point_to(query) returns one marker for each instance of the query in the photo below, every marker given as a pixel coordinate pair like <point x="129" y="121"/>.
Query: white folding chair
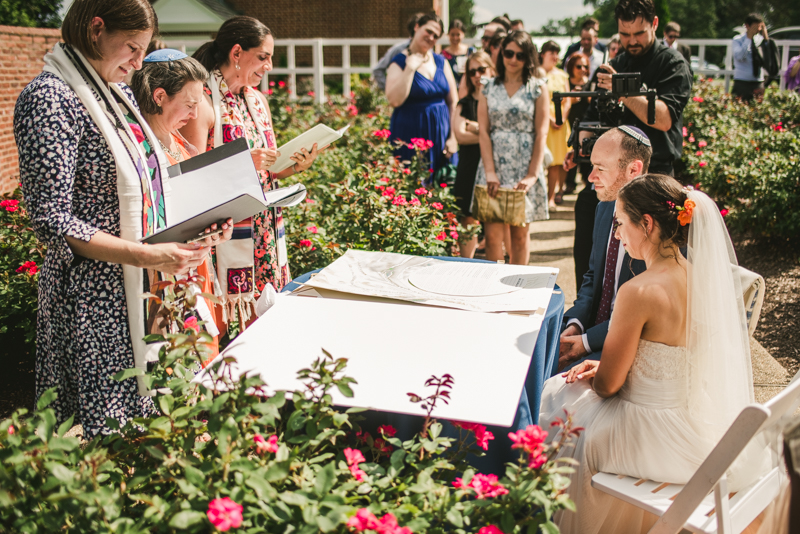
<point x="753" y="291"/>
<point x="703" y="504"/>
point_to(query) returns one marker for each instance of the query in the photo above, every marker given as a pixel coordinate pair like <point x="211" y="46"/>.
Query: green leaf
<point x="326" y="478"/>
<point x="325" y="524"/>
<point x="549" y="528"/>
<point x="277" y="471"/>
<point x="66" y="425"/>
<point x="295" y="499"/>
<point x="260" y="485"/>
<point x="345" y="390"/>
<point x="507" y="522"/>
<point x="194" y="475"/>
<point x="435" y="430"/>
<point x="454" y="516"/>
<point x="154" y="338"/>
<point x="355" y="409"/>
<point x="47" y="397"/>
<point x="186" y="519"/>
<point x="128" y="373"/>
<point x="61" y="472"/>
<point x="166" y="402"/>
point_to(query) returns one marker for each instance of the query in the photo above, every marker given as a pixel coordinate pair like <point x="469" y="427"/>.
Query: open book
<point x="320" y="134"/>
<point x="214" y="186"/>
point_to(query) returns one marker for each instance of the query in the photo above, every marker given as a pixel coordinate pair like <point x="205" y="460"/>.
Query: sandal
<point x="559" y="199"/>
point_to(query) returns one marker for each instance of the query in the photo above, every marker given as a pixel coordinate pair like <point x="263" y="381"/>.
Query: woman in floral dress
<point x="237" y="60"/>
<point x="83" y="156"/>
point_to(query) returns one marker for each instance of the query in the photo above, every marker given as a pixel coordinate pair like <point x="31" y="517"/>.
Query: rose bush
<point x="747" y="157"/>
<point x="231" y="454"/>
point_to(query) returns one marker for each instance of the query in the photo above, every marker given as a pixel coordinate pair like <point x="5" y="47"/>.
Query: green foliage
<point x="18" y="284"/>
<point x="747" y="156"/>
<point x="462" y="10"/>
<point x="293" y="462"/>
<point x="359" y="197"/>
<point x="570" y="26"/>
<point x="30" y="13"/>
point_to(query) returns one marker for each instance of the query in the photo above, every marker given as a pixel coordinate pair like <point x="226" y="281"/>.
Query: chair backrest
<point x="753" y="420"/>
<point x="753" y="290"/>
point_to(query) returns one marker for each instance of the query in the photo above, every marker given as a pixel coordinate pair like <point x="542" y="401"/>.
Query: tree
<point x="569" y="26"/>
<point x="30" y="13"/>
<point x="462" y="10"/>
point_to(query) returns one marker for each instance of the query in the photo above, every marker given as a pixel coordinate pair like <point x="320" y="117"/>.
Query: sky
<point x="533" y="12"/>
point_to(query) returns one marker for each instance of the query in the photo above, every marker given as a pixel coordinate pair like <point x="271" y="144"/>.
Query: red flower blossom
<point x="701" y="144"/>
<point x="312" y="229"/>
<point x="363" y="520"/>
<point x="266" y="445"/>
<point x="702" y="164"/>
<point x="281" y="84"/>
<point x="383" y="134"/>
<point x="441" y="236"/>
<point x="399" y="201"/>
<point x="311" y="93"/>
<point x="482" y="436"/>
<point x="491" y="529"/>
<point x="691" y="139"/>
<point x="454" y="235"/>
<point x="387" y="430"/>
<point x="353" y="456"/>
<point x="225" y="514"/>
<point x="306" y="243"/>
<point x="485" y="486"/>
<point x="10" y="205"/>
<point x="698" y="99"/>
<point x="406" y="171"/>
<point x="442" y="185"/>
<point x="724" y="212"/>
<point x="29" y="267"/>
<point x="421" y="192"/>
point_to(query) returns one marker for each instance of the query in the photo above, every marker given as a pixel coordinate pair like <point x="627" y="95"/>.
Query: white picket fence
<point x="317" y="70"/>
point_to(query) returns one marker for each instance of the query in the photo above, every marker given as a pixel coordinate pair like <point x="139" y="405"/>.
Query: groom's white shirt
<point x="620" y="259"/>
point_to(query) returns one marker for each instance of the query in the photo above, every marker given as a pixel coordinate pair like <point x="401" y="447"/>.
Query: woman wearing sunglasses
<point x="514" y="117"/>
<point x="465" y="126"/>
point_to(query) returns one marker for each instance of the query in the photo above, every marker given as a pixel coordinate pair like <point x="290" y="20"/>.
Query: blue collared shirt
<point x="743" y="60"/>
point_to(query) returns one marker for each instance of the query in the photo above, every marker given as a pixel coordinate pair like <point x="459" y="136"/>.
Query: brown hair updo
<point x="247" y="32"/>
<point x="171" y="76"/>
<point x="650" y="194"/>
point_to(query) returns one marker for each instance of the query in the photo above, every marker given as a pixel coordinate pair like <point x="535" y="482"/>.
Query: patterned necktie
<point x="609" y="278"/>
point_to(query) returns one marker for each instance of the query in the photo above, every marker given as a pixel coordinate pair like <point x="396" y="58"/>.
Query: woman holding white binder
<point x="232" y="107"/>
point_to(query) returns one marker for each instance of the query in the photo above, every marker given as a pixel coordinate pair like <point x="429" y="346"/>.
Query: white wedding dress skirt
<point x="644" y="431"/>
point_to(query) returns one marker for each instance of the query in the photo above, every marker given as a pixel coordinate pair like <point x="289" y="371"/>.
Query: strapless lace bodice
<point x="658" y="361"/>
<point x="657" y="378"/>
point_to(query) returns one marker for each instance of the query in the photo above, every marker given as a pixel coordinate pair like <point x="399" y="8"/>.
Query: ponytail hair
<point x="247" y="32"/>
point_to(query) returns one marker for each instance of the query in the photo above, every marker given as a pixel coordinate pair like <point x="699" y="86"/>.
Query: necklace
<point x="177" y="156"/>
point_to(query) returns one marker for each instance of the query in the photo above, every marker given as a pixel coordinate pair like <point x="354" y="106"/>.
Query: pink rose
<point x="10" y="205"/>
<point x="685" y="131"/>
<point x="281" y="84"/>
<point x="454" y="235"/>
<point x="225" y="514"/>
<point x="491" y="529"/>
<point x="485" y="486"/>
<point x="415" y="202"/>
<point x="311" y="93"/>
<point x="724" y="212"/>
<point x="266" y="445"/>
<point x="272" y="84"/>
<point x="702" y="163"/>
<point x="441" y="236"/>
<point x="530" y="439"/>
<point x="357" y="473"/>
<point x="11" y="430"/>
<point x="353" y="456"/>
<point x="400" y="201"/>
<point x="312" y="229"/>
<point x="691" y="139"/>
<point x="701" y="144"/>
<point x="406" y="171"/>
<point x="363" y="520"/>
<point x="482" y="436"/>
<point x="305" y="243"/>
<point x="436" y="205"/>
<point x="421" y="191"/>
<point x="190" y="323"/>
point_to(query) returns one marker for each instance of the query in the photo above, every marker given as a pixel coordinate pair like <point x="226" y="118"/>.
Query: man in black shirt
<point x="662" y="69"/>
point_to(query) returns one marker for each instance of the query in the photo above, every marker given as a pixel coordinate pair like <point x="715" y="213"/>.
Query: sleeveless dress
<point x="469" y="156"/>
<point x="511" y="126"/>
<point x="424" y="114"/>
<point x="644" y="431"/>
<point x="558" y="81"/>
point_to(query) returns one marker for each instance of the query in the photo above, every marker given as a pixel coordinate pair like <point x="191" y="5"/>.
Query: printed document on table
<point x="485" y="287"/>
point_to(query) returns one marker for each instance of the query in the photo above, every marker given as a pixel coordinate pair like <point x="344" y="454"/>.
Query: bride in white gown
<point x="675" y="370"/>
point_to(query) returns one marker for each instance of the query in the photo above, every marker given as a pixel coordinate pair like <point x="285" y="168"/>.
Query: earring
<point x="237" y="66"/>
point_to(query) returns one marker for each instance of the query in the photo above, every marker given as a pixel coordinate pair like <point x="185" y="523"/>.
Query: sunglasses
<point x="673" y="35"/>
<point x="508" y="54"/>
<point x="473" y="72"/>
<point x="582" y="67"/>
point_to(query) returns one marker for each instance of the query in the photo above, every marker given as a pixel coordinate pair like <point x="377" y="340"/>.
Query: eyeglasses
<point x="582" y="67"/>
<point x="508" y="54"/>
<point x="473" y="72"/>
<point x="673" y="35"/>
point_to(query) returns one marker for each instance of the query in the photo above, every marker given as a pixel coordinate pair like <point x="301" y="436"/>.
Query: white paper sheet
<point x="468" y="286"/>
<point x="320" y="134"/>
<point x="391" y="350"/>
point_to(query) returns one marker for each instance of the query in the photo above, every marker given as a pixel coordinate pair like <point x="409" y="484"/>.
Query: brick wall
<point x="21" y="59"/>
<point x="290" y="19"/>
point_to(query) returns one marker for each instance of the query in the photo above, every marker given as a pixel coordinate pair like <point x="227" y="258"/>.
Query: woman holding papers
<point x="92" y="175"/>
<point x="232" y="108"/>
<point x="421" y="87"/>
<point x="169" y="88"/>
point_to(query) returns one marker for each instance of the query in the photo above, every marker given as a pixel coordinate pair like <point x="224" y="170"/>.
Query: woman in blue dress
<point x="421" y="87"/>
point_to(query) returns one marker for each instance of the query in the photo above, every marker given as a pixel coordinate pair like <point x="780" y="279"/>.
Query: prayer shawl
<point x="143" y="196"/>
<point x="235" y="258"/>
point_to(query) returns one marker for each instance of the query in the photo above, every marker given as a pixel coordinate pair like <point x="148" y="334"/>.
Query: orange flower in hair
<point x="685" y="212"/>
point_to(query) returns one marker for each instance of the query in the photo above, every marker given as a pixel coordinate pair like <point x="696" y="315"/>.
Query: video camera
<point x="609" y="109"/>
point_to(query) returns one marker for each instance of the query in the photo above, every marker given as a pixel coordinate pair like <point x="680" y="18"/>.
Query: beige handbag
<point x="509" y="206"/>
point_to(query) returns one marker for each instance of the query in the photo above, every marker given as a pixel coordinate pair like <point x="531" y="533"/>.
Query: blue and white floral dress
<point x="512" y="123"/>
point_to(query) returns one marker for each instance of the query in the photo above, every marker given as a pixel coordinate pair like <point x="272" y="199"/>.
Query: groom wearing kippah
<point x="619" y="155"/>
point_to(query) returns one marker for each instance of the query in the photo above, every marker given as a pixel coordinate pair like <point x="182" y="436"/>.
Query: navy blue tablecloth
<point x="544" y="362"/>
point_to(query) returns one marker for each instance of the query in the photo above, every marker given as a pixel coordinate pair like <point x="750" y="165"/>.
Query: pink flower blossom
<point x="306" y="243"/>
<point x="399" y="201"/>
<point x="309" y="201"/>
<point x="384" y="180"/>
<point x="288" y="109"/>
<point x="530" y="440"/>
<point x="491" y="529"/>
<point x="420" y="143"/>
<point x="485" y="486"/>
<point x="311" y="93"/>
<point x="363" y="520"/>
<point x="702" y="163"/>
<point x="312" y="229"/>
<point x="281" y="84"/>
<point x="421" y="192"/>
<point x="415" y="202"/>
<point x="691" y="139"/>
<point x="443" y="185"/>
<point x="454" y="235"/>
<point x="441" y="236"/>
<point x="10" y="205"/>
<point x="383" y="134"/>
<point x="11" y="430"/>
<point x="353" y="456"/>
<point x="266" y="445"/>
<point x="357" y="473"/>
<point x="269" y="92"/>
<point x="701" y="144"/>
<point x="724" y="212"/>
<point x="698" y="99"/>
<point x="535" y="461"/>
<point x="225" y="514"/>
<point x="352" y="110"/>
<point x="685" y="131"/>
<point x="190" y="323"/>
<point x="436" y="205"/>
<point x="272" y="84"/>
<point x="482" y="436"/>
<point x="387" y="430"/>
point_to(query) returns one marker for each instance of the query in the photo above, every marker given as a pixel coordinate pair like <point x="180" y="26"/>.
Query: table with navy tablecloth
<point x="544" y="362"/>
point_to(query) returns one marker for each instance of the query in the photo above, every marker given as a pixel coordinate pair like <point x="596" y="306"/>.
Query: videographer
<point x="662" y="68"/>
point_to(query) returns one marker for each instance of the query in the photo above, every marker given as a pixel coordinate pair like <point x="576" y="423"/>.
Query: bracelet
<point x="294" y="168"/>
